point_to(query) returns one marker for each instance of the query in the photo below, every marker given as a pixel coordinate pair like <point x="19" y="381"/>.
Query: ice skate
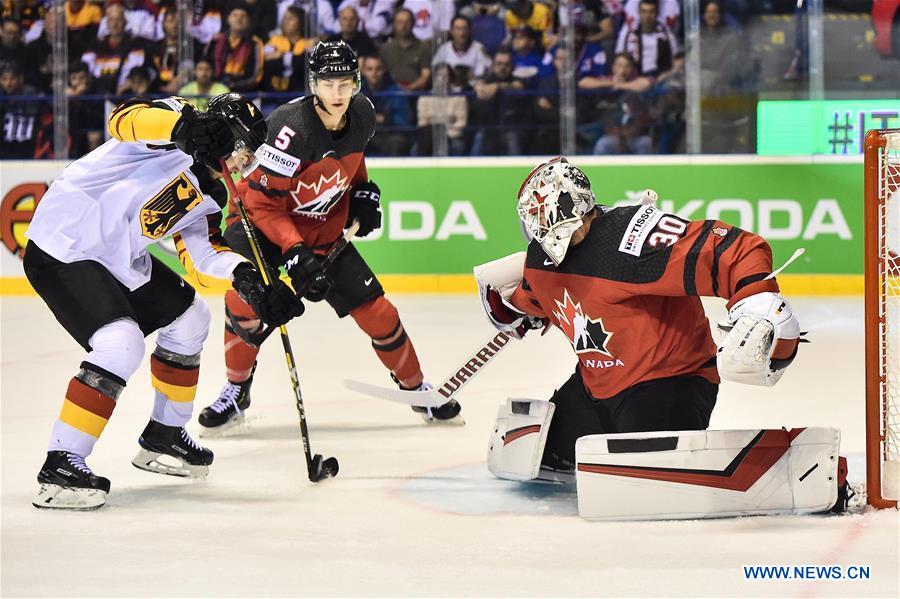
<point x="67" y="483"/>
<point x="447" y="414"/>
<point x="171" y="450"/>
<point x="227" y="414"/>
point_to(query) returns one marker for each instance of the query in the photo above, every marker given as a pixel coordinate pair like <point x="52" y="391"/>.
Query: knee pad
<point x="117" y="348"/>
<point x="185" y="336"/>
<point x="518" y="440"/>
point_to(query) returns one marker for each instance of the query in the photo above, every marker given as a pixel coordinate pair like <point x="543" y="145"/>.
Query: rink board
<point x="442" y="216"/>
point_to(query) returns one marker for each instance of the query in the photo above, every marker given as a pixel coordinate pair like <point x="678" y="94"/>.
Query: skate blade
<point x="237" y="426"/>
<point x="161" y="463"/>
<point x="56" y="497"/>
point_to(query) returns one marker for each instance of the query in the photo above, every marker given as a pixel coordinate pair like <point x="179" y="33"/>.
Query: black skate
<point x="449" y="413"/>
<point x="227" y="412"/>
<point x="170" y="450"/>
<point x="67" y="483"/>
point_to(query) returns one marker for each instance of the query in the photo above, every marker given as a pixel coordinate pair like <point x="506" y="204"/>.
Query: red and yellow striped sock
<point x="82" y="419"/>
<point x="176" y="386"/>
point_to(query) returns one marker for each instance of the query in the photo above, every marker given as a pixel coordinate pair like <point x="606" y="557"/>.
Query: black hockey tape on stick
<point x="314" y="467"/>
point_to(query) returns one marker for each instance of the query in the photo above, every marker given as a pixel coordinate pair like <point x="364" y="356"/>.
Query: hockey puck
<point x="322" y="469"/>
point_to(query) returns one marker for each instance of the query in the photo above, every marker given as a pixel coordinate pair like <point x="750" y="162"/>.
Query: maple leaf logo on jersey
<point x="585" y="334"/>
<point x="320" y="196"/>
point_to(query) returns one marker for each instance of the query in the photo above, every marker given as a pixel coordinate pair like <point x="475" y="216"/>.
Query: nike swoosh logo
<point x="327" y="153"/>
<point x="548" y="262"/>
<point x="368" y="282"/>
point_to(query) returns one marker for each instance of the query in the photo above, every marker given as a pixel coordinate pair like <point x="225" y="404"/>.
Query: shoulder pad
<point x="364" y="110"/>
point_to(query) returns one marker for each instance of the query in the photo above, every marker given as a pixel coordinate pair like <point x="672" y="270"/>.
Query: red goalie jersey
<point x="627" y="297"/>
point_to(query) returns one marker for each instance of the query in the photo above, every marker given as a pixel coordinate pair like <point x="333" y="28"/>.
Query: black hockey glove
<point x="307" y="273"/>
<point x="275" y="304"/>
<point x="204" y="136"/>
<point x="365" y="206"/>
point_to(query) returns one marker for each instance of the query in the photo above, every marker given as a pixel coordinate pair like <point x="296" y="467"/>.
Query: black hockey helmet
<point x="244" y="118"/>
<point x="333" y="60"/>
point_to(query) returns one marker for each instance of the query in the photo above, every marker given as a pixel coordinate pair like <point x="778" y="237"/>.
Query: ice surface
<point x="413" y="510"/>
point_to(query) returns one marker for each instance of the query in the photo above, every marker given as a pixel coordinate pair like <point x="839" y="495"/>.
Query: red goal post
<point x="882" y="289"/>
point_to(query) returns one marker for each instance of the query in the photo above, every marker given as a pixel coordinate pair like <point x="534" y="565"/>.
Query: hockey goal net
<point x="882" y="282"/>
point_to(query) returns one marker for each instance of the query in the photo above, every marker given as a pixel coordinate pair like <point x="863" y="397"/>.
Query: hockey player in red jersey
<point x="311" y="183"/>
<point x="624" y="286"/>
<point x="87" y="258"/>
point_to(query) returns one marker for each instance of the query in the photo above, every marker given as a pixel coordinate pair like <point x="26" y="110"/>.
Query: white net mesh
<point x="889" y="258"/>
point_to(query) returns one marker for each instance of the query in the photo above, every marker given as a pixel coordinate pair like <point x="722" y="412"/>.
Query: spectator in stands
<point x="668" y="11"/>
<point x="139" y="22"/>
<point x="326" y="22"/>
<point x="29" y="14"/>
<point x="359" y="40"/>
<point x="82" y="19"/>
<point x="651" y="43"/>
<point x="487" y="23"/>
<point x="597" y="21"/>
<point x="451" y="112"/>
<point x="374" y="15"/>
<point x="626" y="116"/>
<point x="12" y="48"/>
<point x="111" y="58"/>
<point x="285" y="53"/>
<point x="39" y="57"/>
<point x="461" y="49"/>
<point x="526" y="57"/>
<point x="263" y="15"/>
<point x="590" y="59"/>
<point x="86" y="117"/>
<point x="392" y="111"/>
<point x="164" y="55"/>
<point x="536" y="15"/>
<point x="237" y="55"/>
<point x="546" y="106"/>
<point x="26" y="123"/>
<point x="204" y="86"/>
<point x="724" y="53"/>
<point x="407" y="58"/>
<point x="499" y="116"/>
<point x="138" y="82"/>
<point x="432" y="17"/>
<point x="207" y="22"/>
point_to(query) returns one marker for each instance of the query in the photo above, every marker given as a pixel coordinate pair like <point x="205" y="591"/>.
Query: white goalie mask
<point x="552" y="203"/>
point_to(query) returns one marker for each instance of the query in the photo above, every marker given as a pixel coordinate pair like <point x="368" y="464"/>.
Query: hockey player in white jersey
<point x="87" y="258"/>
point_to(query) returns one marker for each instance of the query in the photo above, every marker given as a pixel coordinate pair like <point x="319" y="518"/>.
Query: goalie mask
<point x="552" y="203"/>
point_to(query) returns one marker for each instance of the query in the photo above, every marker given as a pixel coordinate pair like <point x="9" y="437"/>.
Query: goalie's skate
<point x="67" y="483"/>
<point x="446" y="414"/>
<point x="171" y="450"/>
<point x="227" y="415"/>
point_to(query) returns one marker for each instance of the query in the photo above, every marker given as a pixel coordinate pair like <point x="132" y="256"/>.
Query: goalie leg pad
<point x="707" y="474"/>
<point x="517" y="442"/>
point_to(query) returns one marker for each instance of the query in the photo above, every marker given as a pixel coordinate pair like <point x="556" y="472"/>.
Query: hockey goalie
<point x="624" y="286"/>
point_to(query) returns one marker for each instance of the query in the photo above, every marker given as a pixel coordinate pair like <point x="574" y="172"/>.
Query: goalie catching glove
<point x="365" y="206"/>
<point x="761" y="340"/>
<point x="275" y="304"/>
<point x="497" y="280"/>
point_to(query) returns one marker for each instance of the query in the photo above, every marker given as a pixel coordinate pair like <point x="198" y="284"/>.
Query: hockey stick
<point x="317" y="468"/>
<point x="434" y="398"/>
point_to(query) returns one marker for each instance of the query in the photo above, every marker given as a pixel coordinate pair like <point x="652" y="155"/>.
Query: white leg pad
<point x="517" y="443"/>
<point x="706" y="474"/>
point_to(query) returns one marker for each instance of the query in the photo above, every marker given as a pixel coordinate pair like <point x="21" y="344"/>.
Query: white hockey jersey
<point x="110" y="205"/>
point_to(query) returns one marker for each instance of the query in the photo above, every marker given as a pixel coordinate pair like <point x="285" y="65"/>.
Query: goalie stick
<point x="317" y="468"/>
<point x="448" y="389"/>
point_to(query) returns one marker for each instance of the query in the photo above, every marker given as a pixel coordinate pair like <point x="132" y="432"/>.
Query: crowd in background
<point x="500" y="61"/>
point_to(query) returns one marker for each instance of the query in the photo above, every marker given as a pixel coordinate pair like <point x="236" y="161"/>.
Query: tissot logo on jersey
<point x="319" y="197"/>
<point x="640" y="226"/>
<point x="586" y="334"/>
<point x="166" y="208"/>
